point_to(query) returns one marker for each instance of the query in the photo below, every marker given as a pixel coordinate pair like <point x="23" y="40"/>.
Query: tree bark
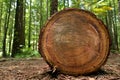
<point x="64" y="3"/>
<point x="10" y="36"/>
<point x="53" y="6"/>
<point x="19" y="30"/>
<point x="41" y="16"/>
<point x="115" y="26"/>
<point x="119" y="8"/>
<point x="29" y="31"/>
<point x="68" y="3"/>
<point x="1" y="6"/>
<point x="5" y="30"/>
<point x="4" y="38"/>
<point x="47" y="14"/>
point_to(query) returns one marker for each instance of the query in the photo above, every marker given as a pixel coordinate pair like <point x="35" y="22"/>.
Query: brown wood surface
<point x="74" y="42"/>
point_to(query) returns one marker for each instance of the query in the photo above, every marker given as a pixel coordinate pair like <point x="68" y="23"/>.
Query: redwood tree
<point x="6" y="23"/>
<point x="19" y="29"/>
<point x="54" y="6"/>
<point x="29" y="30"/>
<point x="119" y="6"/>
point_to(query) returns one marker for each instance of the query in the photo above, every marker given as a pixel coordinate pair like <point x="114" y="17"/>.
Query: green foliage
<point x="102" y="10"/>
<point x="107" y="10"/>
<point x="76" y="3"/>
<point x="28" y="53"/>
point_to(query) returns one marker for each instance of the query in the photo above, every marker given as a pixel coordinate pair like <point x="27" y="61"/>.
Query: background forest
<point x="21" y="21"/>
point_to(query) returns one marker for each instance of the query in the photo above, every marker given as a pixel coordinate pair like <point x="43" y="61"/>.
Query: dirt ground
<point x="37" y="69"/>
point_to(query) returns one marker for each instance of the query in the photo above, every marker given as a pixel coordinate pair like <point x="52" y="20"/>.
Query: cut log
<point x="74" y="42"/>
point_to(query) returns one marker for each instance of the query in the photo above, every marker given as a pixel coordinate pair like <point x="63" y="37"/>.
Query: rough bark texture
<point x="74" y="42"/>
<point x="19" y="29"/>
<point x="6" y="30"/>
<point x="119" y="7"/>
<point x="53" y="6"/>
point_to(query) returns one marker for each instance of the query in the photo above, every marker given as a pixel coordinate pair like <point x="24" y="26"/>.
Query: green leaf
<point x="107" y="8"/>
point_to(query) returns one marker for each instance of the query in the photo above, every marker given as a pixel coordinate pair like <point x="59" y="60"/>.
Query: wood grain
<point x="75" y="42"/>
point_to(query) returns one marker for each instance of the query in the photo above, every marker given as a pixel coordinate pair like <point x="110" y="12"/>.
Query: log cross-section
<point x="74" y="42"/>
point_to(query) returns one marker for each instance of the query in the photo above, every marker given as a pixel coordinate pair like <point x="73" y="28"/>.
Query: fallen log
<point x="74" y="42"/>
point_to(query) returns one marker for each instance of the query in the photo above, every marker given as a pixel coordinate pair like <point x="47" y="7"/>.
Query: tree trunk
<point x="115" y="26"/>
<point x="1" y="6"/>
<point x="112" y="25"/>
<point x="47" y="14"/>
<point x="41" y="16"/>
<point x="19" y="30"/>
<point x="53" y="6"/>
<point x="24" y="17"/>
<point x="4" y="38"/>
<point x="11" y="30"/>
<point x="64" y="3"/>
<point x="10" y="36"/>
<point x="119" y="8"/>
<point x="6" y="29"/>
<point x="29" y="31"/>
<point x="1" y="13"/>
<point x="68" y="3"/>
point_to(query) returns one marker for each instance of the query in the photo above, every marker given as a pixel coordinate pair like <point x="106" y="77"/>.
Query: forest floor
<point x="36" y="69"/>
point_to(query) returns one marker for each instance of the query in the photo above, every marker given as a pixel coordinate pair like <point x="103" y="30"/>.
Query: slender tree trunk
<point x="5" y="30"/>
<point x="34" y="35"/>
<point x="64" y="3"/>
<point x="11" y="30"/>
<point x="115" y="26"/>
<point x="109" y="24"/>
<point x="4" y="38"/>
<point x="36" y="39"/>
<point x="1" y="10"/>
<point x="68" y="3"/>
<point x="53" y="6"/>
<point x="29" y="31"/>
<point x="19" y="32"/>
<point x="41" y="16"/>
<point x="47" y="9"/>
<point x="119" y="8"/>
<point x="24" y="17"/>
<point x="10" y="37"/>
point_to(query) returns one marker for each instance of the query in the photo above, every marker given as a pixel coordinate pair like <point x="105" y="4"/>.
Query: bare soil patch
<point x="37" y="69"/>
